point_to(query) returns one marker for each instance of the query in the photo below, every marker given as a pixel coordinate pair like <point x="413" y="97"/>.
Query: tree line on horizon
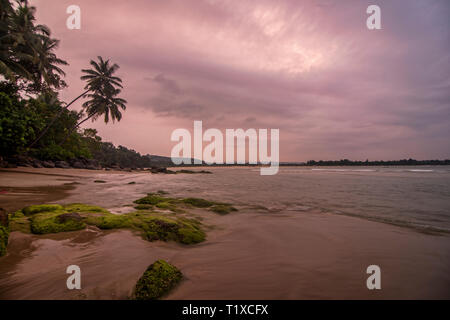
<point x="34" y="121"/>
<point x="403" y="162"/>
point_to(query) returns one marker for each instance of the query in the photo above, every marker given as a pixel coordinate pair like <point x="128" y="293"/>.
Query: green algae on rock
<point x="55" y="222"/>
<point x="157" y="281"/>
<point x="199" y="203"/>
<point x="217" y="207"/>
<point x="19" y="222"/>
<point x="151" y="225"/>
<point x="84" y="208"/>
<point x="222" y="208"/>
<point x="143" y="207"/>
<point x="41" y="208"/>
<point x="4" y="235"/>
<point x="159" y="201"/>
<point x="162" y="202"/>
<point x="154" y="199"/>
<point x="46" y="218"/>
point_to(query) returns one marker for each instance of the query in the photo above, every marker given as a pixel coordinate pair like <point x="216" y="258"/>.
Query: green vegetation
<point x="21" y="119"/>
<point x="157" y="280"/>
<point x="84" y="208"/>
<point x="55" y="222"/>
<point x="34" y="122"/>
<point x="150" y="224"/>
<point x="4" y="235"/>
<point x="143" y="207"/>
<point x="110" y="156"/>
<point x="217" y="207"/>
<point x="199" y="203"/>
<point x="44" y="219"/>
<point x="41" y="208"/>
<point x="27" y="49"/>
<point x="19" y="222"/>
<point x="163" y="202"/>
<point x="222" y="209"/>
<point x="153" y="199"/>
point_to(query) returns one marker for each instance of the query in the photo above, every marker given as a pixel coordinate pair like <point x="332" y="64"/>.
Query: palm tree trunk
<point x="54" y="120"/>
<point x="74" y="128"/>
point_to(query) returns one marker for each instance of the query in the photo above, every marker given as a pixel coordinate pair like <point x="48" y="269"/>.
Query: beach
<point x="278" y="245"/>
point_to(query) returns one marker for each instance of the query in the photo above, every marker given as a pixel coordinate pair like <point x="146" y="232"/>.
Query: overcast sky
<point x="310" y="68"/>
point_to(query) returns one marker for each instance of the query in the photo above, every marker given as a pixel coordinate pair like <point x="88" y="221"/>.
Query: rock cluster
<point x="25" y="161"/>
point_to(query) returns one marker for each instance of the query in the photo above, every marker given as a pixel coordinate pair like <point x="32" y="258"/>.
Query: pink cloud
<point x="310" y="68"/>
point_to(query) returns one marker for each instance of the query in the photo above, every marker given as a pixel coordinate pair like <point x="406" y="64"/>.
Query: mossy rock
<point x="154" y="199"/>
<point x="199" y="203"/>
<point x="158" y="227"/>
<point x="84" y="208"/>
<point x="157" y="281"/>
<point x="166" y="205"/>
<point x="41" y="208"/>
<point x="151" y="225"/>
<point x="143" y="207"/>
<point x="222" y="208"/>
<point x="51" y="222"/>
<point x="162" y="202"/>
<point x="217" y="207"/>
<point x="19" y="222"/>
<point x="110" y="221"/>
<point x="4" y="235"/>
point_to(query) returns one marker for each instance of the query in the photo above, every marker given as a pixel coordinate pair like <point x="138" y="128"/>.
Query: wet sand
<point x="247" y="255"/>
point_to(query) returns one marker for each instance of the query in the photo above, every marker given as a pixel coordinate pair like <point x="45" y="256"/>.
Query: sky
<point x="311" y="69"/>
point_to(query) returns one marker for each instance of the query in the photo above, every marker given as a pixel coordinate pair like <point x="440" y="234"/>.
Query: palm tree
<point x="17" y="32"/>
<point x="26" y="49"/>
<point x="99" y="79"/>
<point x="48" y="74"/>
<point x="6" y="11"/>
<point x="105" y="104"/>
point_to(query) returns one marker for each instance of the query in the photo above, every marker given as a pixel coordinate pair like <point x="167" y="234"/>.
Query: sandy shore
<point x="247" y="255"/>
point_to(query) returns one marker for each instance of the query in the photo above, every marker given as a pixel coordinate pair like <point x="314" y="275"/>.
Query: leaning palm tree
<point x="99" y="79"/>
<point x="105" y="104"/>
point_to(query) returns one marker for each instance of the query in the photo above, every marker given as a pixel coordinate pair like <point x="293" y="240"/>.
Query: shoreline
<point x="324" y="254"/>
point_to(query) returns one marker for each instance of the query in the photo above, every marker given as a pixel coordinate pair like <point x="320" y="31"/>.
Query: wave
<point x="424" y="228"/>
<point x="345" y="170"/>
